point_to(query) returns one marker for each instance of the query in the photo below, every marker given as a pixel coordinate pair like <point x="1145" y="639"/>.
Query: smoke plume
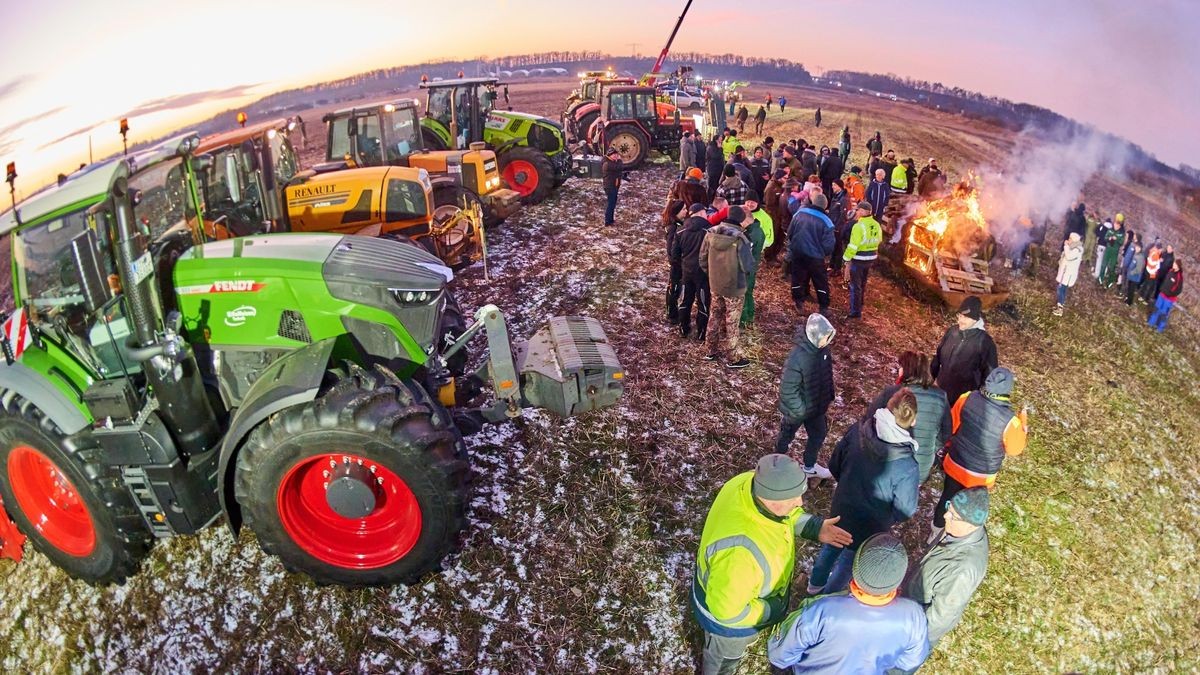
<point x="1043" y="177"/>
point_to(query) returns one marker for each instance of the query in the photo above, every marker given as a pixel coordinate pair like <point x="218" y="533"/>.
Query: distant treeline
<point x="384" y="81"/>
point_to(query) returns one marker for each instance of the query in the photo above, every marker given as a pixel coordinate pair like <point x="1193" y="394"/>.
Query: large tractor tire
<point x="585" y="123"/>
<point x="72" y="506"/>
<point x="631" y="143"/>
<point x="529" y="172"/>
<point x="448" y="202"/>
<point x="431" y="140"/>
<point x="364" y="486"/>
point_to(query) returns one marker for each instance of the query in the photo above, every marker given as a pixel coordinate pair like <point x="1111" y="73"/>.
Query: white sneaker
<point x="818" y="471"/>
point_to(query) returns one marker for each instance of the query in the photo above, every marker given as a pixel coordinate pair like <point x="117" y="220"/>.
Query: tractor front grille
<point x="293" y="327"/>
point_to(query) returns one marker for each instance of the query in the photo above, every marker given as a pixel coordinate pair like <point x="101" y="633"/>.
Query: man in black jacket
<point x="714" y="163"/>
<point x="685" y="252"/>
<point x="610" y="173"/>
<point x="831" y="168"/>
<point x="805" y="392"/>
<point x="966" y="353"/>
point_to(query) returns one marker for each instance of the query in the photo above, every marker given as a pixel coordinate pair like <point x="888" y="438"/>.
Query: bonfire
<point x="949" y="244"/>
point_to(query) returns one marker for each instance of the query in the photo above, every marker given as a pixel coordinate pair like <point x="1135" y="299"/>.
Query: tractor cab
<point x="461" y="106"/>
<point x="388" y="133"/>
<point x="242" y="183"/>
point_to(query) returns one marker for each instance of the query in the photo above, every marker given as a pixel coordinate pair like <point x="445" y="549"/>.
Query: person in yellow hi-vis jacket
<point x="747" y="554"/>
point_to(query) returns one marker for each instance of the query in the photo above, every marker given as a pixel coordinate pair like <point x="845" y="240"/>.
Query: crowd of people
<point x="866" y="608"/>
<point x="948" y="417"/>
<point x="1121" y="260"/>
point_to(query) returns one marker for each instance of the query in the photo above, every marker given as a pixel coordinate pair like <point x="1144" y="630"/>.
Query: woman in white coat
<point x="1068" y="269"/>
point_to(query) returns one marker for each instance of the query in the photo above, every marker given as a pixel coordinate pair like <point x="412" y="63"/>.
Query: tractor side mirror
<point x="92" y="282"/>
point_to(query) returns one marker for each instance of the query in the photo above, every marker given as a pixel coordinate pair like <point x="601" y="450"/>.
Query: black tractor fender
<point x="291" y="380"/>
<point x="23" y="381"/>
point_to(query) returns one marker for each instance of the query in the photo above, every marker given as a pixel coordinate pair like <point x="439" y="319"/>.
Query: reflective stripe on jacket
<point x="985" y="432"/>
<point x="900" y="178"/>
<point x="865" y="237"/>
<point x="744" y="564"/>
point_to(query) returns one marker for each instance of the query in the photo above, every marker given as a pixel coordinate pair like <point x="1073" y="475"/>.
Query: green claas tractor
<point x="314" y="388"/>
<point x="533" y="153"/>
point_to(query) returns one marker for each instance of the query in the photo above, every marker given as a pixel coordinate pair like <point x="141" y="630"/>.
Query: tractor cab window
<point x="370" y="142"/>
<point x="438" y="105"/>
<point x="620" y="106"/>
<point x="463" y="106"/>
<point x="589" y="91"/>
<point x="403" y="133"/>
<point x="48" y="284"/>
<point x="405" y="201"/>
<point x="286" y="164"/>
<point x="165" y="198"/>
<point x="339" y="139"/>
<point x="231" y="191"/>
<point x="488" y="99"/>
<point x="644" y="106"/>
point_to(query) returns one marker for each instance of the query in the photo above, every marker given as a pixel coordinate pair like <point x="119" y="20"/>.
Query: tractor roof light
<point x="388" y="107"/>
<point x="271" y="133"/>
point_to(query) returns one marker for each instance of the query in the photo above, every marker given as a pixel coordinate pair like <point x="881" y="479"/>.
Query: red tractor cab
<point x="634" y="123"/>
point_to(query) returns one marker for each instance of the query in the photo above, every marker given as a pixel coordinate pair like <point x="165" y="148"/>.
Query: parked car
<point x="681" y="98"/>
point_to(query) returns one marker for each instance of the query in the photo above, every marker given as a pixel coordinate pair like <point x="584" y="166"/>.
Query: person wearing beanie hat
<point x="952" y="570"/>
<point x="861" y="252"/>
<point x="810" y="242"/>
<point x="866" y="630"/>
<point x="686" y="254"/>
<point x="747" y="554"/>
<point x="805" y="392"/>
<point x="986" y="430"/>
<point x="877" y="479"/>
<point x="732" y="187"/>
<point x="761" y="233"/>
<point x="966" y="353"/>
<point x="726" y="256"/>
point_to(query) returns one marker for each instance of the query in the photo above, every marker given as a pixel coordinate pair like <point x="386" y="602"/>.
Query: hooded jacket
<point x="1172" y="285"/>
<point x="877" y="476"/>
<point x="1068" y="262"/>
<point x="933" y="426"/>
<point x="733" y="189"/>
<point x="963" y="360"/>
<point x="686" y="251"/>
<point x="809" y="163"/>
<point x="831" y="169"/>
<point x="946" y="578"/>
<point x="726" y="257"/>
<point x="1137" y="267"/>
<point x="810" y="234"/>
<point x="687" y="153"/>
<point x="806" y="384"/>
<point x="878" y="194"/>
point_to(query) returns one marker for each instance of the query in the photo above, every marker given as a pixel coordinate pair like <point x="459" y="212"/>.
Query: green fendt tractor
<point x="532" y="150"/>
<point x="312" y="387"/>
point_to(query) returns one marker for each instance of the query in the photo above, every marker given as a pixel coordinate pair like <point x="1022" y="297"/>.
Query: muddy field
<point x="582" y="532"/>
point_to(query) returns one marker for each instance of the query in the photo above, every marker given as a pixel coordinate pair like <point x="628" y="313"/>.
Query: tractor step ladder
<point x="143" y="494"/>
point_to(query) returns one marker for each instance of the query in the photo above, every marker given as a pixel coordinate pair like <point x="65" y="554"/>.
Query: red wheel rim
<point x="51" y="502"/>
<point x="384" y="536"/>
<point x="522" y="176"/>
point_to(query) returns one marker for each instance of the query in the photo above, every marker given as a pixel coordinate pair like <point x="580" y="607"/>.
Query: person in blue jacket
<point x="867" y="629"/>
<point x="810" y="241"/>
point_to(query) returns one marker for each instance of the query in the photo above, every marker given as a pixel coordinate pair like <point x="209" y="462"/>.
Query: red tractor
<point x="634" y="122"/>
<point x="583" y="105"/>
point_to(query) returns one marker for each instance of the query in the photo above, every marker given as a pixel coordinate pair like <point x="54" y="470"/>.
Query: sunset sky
<point x="71" y="68"/>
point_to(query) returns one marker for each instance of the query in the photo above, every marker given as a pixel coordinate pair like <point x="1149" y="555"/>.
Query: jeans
<point x="858" y="284"/>
<point x="832" y="568"/>
<point x="695" y="290"/>
<point x="815" y="428"/>
<point x="610" y="208"/>
<point x="1162" y="309"/>
<point x="1062" y="294"/>
<point x="804" y="270"/>
<point x="723" y="654"/>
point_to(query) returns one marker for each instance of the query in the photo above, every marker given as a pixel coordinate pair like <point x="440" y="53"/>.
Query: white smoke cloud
<point x="1043" y="177"/>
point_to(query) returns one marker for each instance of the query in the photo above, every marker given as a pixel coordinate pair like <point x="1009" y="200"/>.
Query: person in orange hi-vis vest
<point x="986" y="430"/>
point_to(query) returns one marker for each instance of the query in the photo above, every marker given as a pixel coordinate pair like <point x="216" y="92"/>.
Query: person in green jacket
<point x="746" y="557"/>
<point x="861" y="252"/>
<point x="761" y="235"/>
<point x="950" y="573"/>
<point x="900" y="179"/>
<point x="1114" y="241"/>
<point x="730" y="144"/>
